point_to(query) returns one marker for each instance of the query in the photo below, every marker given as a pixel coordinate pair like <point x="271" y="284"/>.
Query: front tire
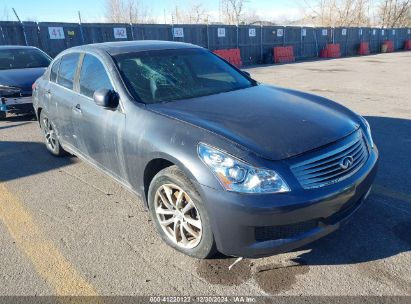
<point x="50" y="135"/>
<point x="179" y="214"/>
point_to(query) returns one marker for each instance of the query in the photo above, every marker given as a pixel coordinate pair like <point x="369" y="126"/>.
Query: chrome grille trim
<point x="334" y="166"/>
<point x="325" y="169"/>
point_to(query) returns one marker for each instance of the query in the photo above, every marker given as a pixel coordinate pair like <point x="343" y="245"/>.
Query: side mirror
<point x="246" y="73"/>
<point x="106" y="98"/>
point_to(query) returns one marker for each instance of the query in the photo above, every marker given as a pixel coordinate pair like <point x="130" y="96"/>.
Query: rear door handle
<point x="77" y="108"/>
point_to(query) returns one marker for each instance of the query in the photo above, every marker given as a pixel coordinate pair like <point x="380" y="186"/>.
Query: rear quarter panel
<point x="41" y="87"/>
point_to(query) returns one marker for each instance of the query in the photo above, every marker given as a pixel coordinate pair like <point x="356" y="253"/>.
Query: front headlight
<point x="368" y="131"/>
<point x="237" y="176"/>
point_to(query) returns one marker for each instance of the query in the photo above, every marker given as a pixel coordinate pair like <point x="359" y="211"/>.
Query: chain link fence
<point x="256" y="43"/>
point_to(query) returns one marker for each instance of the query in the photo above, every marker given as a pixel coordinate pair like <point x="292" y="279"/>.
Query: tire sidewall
<point x="173" y="175"/>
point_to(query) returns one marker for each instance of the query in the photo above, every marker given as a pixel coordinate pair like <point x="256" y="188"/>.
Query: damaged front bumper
<point x="16" y="104"/>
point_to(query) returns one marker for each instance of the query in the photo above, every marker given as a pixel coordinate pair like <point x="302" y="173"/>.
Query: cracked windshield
<point x="169" y="75"/>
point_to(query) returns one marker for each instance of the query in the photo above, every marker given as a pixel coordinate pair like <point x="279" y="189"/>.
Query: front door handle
<point x="77" y="108"/>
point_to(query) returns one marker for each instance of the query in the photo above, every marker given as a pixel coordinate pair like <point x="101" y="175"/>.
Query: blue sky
<point x="94" y="10"/>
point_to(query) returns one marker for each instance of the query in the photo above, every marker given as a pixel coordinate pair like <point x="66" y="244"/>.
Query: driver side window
<point x="93" y="76"/>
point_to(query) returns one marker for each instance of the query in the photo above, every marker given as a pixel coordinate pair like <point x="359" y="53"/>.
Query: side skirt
<point x="97" y="166"/>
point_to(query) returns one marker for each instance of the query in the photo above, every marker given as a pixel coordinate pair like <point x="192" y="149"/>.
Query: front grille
<point x="268" y="233"/>
<point x="329" y="168"/>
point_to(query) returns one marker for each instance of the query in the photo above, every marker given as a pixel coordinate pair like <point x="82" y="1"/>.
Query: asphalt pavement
<point x="67" y="229"/>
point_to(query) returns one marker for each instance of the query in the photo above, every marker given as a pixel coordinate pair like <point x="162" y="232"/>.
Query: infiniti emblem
<point x="346" y="162"/>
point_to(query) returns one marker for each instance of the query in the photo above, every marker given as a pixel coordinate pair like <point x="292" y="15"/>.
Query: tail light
<point x="33" y="86"/>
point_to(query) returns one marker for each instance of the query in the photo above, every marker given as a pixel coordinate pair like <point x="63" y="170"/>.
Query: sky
<point x="94" y="10"/>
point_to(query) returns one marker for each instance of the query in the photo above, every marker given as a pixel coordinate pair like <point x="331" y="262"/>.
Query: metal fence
<point x="255" y="42"/>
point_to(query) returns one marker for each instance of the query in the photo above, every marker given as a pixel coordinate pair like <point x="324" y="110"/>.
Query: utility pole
<point x="22" y="26"/>
<point x="176" y="14"/>
<point x="81" y="27"/>
<point x="17" y="16"/>
<point x="79" y="16"/>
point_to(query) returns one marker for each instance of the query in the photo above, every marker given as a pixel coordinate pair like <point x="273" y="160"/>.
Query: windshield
<point x="166" y="75"/>
<point x="22" y="59"/>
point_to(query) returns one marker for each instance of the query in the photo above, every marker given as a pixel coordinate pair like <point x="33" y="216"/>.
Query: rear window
<point x="67" y="70"/>
<point x="23" y="59"/>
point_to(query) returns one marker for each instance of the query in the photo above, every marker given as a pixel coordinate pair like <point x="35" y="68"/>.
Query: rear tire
<point x="179" y="214"/>
<point x="50" y="136"/>
<point x="3" y="115"/>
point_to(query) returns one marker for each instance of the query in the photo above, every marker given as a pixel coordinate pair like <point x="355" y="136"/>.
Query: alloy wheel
<point x="178" y="216"/>
<point x="50" y="134"/>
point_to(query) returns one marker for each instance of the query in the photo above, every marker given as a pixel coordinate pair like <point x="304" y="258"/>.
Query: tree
<point x="336" y="13"/>
<point x="394" y="13"/>
<point x="251" y="17"/>
<point x="233" y="11"/>
<point x="194" y="14"/>
<point x="5" y="16"/>
<point x="127" y="11"/>
<point x="197" y="13"/>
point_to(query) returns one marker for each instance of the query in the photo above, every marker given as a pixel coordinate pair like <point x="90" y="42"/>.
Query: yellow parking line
<point x="391" y="193"/>
<point x="45" y="257"/>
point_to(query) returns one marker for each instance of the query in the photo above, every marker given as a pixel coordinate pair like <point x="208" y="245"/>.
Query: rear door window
<point x="67" y="70"/>
<point x="93" y="76"/>
<point x="54" y="71"/>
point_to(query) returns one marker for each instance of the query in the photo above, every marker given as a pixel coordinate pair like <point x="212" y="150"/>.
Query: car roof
<point x="14" y="47"/>
<point x="116" y="48"/>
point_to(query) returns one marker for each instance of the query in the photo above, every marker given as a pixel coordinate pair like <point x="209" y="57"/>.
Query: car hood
<point x="21" y="78"/>
<point x="274" y="123"/>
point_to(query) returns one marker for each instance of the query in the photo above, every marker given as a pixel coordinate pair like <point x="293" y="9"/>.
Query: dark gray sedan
<point x="20" y="66"/>
<point x="222" y="162"/>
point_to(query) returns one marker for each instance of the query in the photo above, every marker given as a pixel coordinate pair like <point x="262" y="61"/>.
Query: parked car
<point x="20" y="66"/>
<point x="221" y="161"/>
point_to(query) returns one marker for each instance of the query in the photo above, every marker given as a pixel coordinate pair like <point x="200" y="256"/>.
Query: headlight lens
<point x="237" y="176"/>
<point x="368" y="131"/>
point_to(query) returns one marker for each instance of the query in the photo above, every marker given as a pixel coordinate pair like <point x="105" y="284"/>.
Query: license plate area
<point x="17" y="100"/>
